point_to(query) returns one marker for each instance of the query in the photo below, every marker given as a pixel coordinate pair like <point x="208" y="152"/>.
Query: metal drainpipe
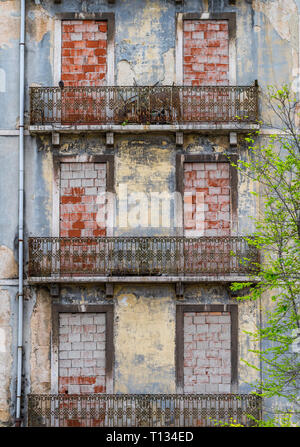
<point x="21" y="215"/>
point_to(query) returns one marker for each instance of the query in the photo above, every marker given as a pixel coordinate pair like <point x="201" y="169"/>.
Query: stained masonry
<point x="87" y="46"/>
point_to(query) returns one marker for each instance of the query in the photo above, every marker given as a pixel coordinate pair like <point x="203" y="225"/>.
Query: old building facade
<point x="134" y="111"/>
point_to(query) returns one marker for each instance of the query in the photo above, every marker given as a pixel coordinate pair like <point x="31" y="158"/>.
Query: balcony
<point x="141" y="410"/>
<point x="136" y="109"/>
<point x="151" y="259"/>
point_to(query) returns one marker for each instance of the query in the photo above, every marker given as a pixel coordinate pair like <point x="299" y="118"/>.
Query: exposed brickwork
<point x="82" y="211"/>
<point x="207" y="355"/>
<point x="84" y="52"/>
<point x="206" y="52"/>
<point x="81" y="353"/>
<point x="206" y="199"/>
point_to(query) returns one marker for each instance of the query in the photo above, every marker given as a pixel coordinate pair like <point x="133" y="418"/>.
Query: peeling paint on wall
<point x="9" y="23"/>
<point x="142" y="168"/>
<point x="5" y="356"/>
<point x="144" y="340"/>
<point x="267" y="49"/>
<point x="39" y="23"/>
<point x="169" y="67"/>
<point x="194" y="143"/>
<point x="40" y="327"/>
<point x="281" y="14"/>
<point x="125" y="73"/>
<point x="8" y="265"/>
<point x="47" y="167"/>
<point x="142" y="44"/>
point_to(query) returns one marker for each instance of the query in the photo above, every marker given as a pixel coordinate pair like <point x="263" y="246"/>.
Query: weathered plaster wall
<point x="267" y="50"/>
<point x="267" y="42"/>
<point x="146" y="43"/>
<point x="9" y="35"/>
<point x="38" y="189"/>
<point x="145" y="316"/>
<point x="8" y="265"/>
<point x="145" y="166"/>
<point x="40" y="330"/>
<point x="5" y="355"/>
<point x="8" y="204"/>
<point x="272" y="27"/>
<point x="144" y="169"/>
<point x="144" y="339"/>
<point x="144" y="333"/>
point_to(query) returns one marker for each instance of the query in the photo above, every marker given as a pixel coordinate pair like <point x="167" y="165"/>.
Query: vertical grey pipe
<point x="21" y="214"/>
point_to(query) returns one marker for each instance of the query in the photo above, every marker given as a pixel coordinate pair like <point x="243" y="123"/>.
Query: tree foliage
<point x="274" y="165"/>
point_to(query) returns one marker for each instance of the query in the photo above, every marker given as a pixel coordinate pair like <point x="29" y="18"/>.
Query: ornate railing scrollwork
<point x="143" y="105"/>
<point x="142" y="410"/>
<point x="154" y="256"/>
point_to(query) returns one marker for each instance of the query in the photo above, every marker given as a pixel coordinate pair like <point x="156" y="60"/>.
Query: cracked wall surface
<point x="267" y="49"/>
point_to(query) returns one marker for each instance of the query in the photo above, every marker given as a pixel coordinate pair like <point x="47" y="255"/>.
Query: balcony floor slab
<point x="142" y="279"/>
<point x="144" y="128"/>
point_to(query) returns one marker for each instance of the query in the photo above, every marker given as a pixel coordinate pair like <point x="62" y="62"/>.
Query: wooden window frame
<point x="108" y="309"/>
<point x="179" y="352"/>
<point x="211" y="158"/>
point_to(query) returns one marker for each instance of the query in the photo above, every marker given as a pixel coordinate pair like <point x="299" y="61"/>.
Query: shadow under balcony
<point x="139" y="109"/>
<point x="142" y="410"/>
<point x="142" y="259"/>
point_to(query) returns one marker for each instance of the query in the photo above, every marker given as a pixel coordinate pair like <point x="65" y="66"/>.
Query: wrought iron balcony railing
<point x="154" y="256"/>
<point x="138" y="410"/>
<point x="143" y="105"/>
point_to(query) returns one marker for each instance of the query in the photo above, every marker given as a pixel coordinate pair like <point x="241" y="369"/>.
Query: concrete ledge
<point x="141" y="128"/>
<point x="141" y="279"/>
<point x="9" y="282"/>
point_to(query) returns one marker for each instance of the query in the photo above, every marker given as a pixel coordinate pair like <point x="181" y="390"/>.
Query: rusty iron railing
<point x="138" y="410"/>
<point x="143" y="105"/>
<point x="155" y="256"/>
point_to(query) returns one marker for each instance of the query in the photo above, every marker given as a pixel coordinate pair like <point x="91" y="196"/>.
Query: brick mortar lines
<point x="206" y="199"/>
<point x="84" y="53"/>
<point x="82" y="353"/>
<point x="82" y="214"/>
<point x="207" y="355"/>
<point x="206" y="52"/>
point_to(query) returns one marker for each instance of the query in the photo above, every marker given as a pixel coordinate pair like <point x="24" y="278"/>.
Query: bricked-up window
<point x="207" y="199"/>
<point x="206" y="348"/>
<point x="207" y="354"/>
<point x="82" y="199"/>
<point x="206" y="52"/>
<point x="81" y="353"/>
<point x="84" y="52"/>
